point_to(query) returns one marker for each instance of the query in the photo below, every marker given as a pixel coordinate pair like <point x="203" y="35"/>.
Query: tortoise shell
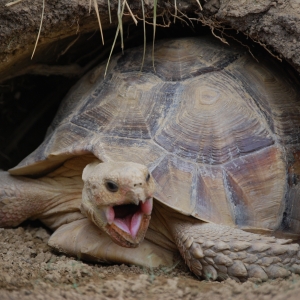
<point x="218" y="130"/>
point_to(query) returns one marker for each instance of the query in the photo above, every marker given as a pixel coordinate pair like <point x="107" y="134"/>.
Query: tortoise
<point x="198" y="154"/>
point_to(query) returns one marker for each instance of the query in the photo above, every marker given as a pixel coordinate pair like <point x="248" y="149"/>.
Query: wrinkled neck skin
<point x="77" y="190"/>
<point x="62" y="193"/>
<point x="165" y="222"/>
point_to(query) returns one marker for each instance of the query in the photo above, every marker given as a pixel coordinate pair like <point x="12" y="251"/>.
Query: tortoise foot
<point x="217" y="252"/>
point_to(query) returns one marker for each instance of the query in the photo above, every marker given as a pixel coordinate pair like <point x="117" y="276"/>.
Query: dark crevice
<point x="122" y="211"/>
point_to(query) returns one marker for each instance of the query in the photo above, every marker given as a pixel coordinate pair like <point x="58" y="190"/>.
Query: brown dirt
<point x="275" y="24"/>
<point x="30" y="270"/>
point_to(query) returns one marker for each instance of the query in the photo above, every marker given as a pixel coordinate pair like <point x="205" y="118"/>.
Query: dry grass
<point x="165" y="15"/>
<point x="120" y="12"/>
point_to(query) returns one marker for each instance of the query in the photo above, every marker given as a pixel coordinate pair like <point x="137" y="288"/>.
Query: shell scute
<point x="211" y="123"/>
<point x="174" y="181"/>
<point x="210" y="199"/>
<point x="218" y="131"/>
<point x="255" y="187"/>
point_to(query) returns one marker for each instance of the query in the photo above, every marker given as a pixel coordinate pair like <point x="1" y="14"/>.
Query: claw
<point x="210" y="273"/>
<point x="197" y="251"/>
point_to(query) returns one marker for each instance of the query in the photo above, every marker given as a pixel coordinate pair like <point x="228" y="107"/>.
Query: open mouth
<point x="128" y="217"/>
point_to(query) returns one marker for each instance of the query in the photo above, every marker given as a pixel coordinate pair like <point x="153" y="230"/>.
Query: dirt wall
<point x="274" y="24"/>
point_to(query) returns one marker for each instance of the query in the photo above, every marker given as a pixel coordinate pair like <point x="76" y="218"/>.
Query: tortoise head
<point x="117" y="197"/>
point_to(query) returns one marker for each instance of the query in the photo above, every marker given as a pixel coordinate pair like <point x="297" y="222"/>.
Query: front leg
<point x="217" y="252"/>
<point x="21" y="198"/>
<point x="48" y="198"/>
<point x="54" y="198"/>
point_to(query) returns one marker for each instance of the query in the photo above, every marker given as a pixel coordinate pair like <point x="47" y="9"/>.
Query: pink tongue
<point x="122" y="224"/>
<point x="130" y="224"/>
<point x="135" y="223"/>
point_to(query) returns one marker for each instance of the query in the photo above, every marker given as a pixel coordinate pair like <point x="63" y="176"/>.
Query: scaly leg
<point x="19" y="199"/>
<point x="214" y="251"/>
<point x="22" y="198"/>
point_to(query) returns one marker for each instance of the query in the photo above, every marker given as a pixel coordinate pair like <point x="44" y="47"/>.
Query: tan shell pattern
<point x="218" y="130"/>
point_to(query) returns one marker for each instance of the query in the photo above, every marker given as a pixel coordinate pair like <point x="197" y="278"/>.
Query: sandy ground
<point x="29" y="269"/>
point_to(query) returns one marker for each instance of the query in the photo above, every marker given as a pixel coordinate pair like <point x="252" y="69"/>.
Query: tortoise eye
<point x="111" y="186"/>
<point x="148" y="177"/>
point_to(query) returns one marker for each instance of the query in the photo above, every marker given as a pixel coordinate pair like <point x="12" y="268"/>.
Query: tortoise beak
<point x="127" y="224"/>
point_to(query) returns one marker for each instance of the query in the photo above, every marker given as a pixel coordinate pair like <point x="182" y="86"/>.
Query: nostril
<point x="138" y="184"/>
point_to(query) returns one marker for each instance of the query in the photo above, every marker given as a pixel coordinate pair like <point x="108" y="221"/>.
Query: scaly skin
<point x="13" y="209"/>
<point x="22" y="198"/>
<point x="214" y="251"/>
